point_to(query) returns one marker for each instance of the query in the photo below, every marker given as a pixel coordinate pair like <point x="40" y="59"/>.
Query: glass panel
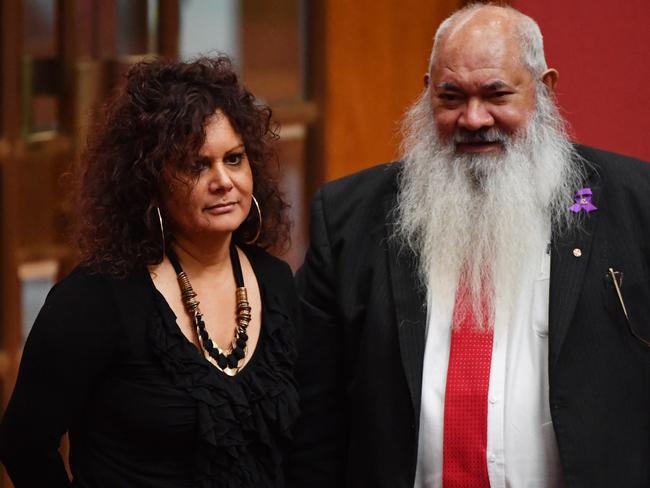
<point x="2" y="89"/>
<point x="41" y="76"/>
<point x="3" y="264"/>
<point x="36" y="279"/>
<point x="132" y="27"/>
<point x="153" y="15"/>
<point x="137" y="27"/>
<point x="39" y="27"/>
<point x="41" y="90"/>
<point x="208" y="27"/>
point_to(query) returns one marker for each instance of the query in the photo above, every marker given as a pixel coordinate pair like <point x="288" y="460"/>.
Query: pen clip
<point x="617" y="279"/>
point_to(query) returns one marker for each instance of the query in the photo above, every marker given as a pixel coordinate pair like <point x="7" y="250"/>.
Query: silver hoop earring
<point x="162" y="231"/>
<point x="259" y="228"/>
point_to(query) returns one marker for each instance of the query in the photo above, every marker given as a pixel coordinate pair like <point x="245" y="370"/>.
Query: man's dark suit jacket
<point x="364" y="332"/>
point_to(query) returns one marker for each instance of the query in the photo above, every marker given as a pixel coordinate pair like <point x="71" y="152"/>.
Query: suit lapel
<point x="569" y="258"/>
<point x="410" y="311"/>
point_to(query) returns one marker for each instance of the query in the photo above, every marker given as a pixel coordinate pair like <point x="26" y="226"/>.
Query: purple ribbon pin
<point x="583" y="201"/>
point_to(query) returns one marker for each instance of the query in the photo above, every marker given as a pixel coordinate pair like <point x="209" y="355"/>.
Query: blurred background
<point x="338" y="75"/>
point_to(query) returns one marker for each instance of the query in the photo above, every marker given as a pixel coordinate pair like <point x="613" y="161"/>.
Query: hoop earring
<point x="259" y="228"/>
<point x="162" y="231"/>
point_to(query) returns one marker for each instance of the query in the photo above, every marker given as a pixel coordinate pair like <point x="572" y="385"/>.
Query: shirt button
<point x="492" y="458"/>
<point x="492" y="400"/>
<point x="577" y="252"/>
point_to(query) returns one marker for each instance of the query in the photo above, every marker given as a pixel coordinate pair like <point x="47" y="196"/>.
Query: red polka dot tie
<point x="465" y="416"/>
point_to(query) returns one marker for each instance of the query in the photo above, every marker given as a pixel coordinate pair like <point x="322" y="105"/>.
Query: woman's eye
<point x="201" y="164"/>
<point x="234" y="158"/>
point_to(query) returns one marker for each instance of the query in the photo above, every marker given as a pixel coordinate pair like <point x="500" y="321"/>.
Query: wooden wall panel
<point x="374" y="56"/>
<point x="271" y="54"/>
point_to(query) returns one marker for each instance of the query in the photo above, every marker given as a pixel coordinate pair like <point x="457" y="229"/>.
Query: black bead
<point x="232" y="361"/>
<point x="204" y="335"/>
<point x="238" y="353"/>
<point x="222" y="361"/>
<point x="243" y="312"/>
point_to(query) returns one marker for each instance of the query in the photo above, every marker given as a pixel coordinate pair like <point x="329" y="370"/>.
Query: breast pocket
<point x="634" y="300"/>
<point x="637" y="303"/>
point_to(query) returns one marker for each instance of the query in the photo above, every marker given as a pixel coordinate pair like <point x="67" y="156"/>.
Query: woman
<point x="167" y="355"/>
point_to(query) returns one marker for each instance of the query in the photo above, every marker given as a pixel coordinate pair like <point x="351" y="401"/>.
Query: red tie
<point x="465" y="416"/>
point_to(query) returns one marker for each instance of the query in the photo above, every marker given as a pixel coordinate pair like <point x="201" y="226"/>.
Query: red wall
<point x="602" y="50"/>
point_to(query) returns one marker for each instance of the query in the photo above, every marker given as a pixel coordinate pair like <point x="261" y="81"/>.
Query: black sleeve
<point x="68" y="349"/>
<point x="320" y="436"/>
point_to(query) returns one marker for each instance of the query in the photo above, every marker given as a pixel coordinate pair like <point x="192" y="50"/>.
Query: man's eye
<point x="500" y="94"/>
<point x="234" y="158"/>
<point x="448" y="97"/>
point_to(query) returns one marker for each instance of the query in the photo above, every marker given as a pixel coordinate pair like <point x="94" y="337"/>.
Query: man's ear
<point x="550" y="78"/>
<point x="426" y="80"/>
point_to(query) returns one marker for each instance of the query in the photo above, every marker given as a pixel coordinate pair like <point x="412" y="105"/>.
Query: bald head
<point x="481" y="39"/>
<point x="483" y="22"/>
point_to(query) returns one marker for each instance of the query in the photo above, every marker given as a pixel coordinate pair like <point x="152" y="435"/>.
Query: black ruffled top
<point x="241" y="420"/>
<point x="143" y="406"/>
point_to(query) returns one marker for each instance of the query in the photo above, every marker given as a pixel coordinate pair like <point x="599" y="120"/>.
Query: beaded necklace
<point x="228" y="361"/>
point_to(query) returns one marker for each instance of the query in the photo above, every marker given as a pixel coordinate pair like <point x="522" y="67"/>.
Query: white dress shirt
<point x="521" y="446"/>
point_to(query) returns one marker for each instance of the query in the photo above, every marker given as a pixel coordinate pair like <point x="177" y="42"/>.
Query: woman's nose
<point x="220" y="178"/>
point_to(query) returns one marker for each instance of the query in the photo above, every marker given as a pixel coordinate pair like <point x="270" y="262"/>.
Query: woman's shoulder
<point x="80" y="285"/>
<point x="88" y="291"/>
<point x="81" y="305"/>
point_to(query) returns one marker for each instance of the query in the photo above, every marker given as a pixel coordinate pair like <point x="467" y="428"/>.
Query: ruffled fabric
<point x="242" y="421"/>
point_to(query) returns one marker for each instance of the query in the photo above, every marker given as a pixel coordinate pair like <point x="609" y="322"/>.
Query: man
<point x="479" y="314"/>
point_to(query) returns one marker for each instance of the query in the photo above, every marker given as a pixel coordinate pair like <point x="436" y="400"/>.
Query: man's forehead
<point x="486" y="39"/>
<point x="483" y="21"/>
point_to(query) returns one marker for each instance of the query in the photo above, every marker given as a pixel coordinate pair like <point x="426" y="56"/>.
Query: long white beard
<point x="482" y="215"/>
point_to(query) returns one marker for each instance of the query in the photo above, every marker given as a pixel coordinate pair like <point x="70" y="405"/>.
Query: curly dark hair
<point x="156" y="120"/>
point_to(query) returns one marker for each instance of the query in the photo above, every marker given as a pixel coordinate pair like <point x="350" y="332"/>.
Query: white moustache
<point x="491" y="135"/>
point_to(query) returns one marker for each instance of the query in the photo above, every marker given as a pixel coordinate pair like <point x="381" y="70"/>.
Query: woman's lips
<point x="221" y="208"/>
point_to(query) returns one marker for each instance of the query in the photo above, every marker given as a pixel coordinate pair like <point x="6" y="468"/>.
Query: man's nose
<point x="220" y="178"/>
<point x="475" y="116"/>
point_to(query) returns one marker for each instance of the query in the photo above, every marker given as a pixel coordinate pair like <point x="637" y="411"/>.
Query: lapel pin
<point x="583" y="201"/>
